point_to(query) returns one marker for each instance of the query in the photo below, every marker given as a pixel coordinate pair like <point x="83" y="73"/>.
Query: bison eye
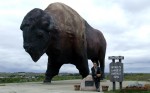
<point x="24" y="26"/>
<point x="40" y="34"/>
<point x="45" y="24"/>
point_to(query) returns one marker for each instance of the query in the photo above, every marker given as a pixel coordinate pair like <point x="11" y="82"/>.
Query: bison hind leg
<point x="102" y="64"/>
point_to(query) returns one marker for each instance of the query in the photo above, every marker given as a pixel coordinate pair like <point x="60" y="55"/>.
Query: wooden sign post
<point x="116" y="70"/>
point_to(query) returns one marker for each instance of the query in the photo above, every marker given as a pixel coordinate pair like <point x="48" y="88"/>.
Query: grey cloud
<point x="125" y="43"/>
<point x="120" y="37"/>
<point x="134" y="6"/>
<point x="126" y="46"/>
<point x="72" y="68"/>
<point x="137" y="70"/>
<point x="137" y="64"/>
<point x="11" y="41"/>
<point x="68" y="68"/>
<point x="13" y="60"/>
<point x="137" y="11"/>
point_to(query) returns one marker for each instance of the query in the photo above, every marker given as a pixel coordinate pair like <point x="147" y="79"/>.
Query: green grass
<point x="66" y="77"/>
<point x="135" y="77"/>
<point x="2" y="85"/>
<point x="16" y="80"/>
<point x="39" y="79"/>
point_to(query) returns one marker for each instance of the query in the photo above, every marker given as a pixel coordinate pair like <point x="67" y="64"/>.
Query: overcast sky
<point x="124" y="23"/>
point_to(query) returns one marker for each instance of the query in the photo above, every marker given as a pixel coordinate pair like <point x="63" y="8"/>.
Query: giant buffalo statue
<point x="96" y="46"/>
<point x="60" y="32"/>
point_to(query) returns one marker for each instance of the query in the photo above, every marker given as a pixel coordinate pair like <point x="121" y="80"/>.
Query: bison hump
<point x="66" y="19"/>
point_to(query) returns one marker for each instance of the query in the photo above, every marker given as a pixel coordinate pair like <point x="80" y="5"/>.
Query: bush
<point x="127" y="91"/>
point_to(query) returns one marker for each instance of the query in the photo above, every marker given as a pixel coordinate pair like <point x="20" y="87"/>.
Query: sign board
<point x="116" y="71"/>
<point x="89" y="83"/>
<point x="116" y="57"/>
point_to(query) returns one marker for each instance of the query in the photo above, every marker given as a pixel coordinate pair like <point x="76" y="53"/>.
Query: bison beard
<point x="60" y="32"/>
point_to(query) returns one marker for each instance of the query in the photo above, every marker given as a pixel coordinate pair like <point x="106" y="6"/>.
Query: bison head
<point x="36" y="26"/>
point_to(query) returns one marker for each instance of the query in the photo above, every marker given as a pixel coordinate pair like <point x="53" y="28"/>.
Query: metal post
<point x="119" y="60"/>
<point x="114" y="86"/>
<point x="120" y="85"/>
<point x="113" y="60"/>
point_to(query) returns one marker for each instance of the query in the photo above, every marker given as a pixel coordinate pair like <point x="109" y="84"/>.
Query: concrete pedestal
<point x="87" y="84"/>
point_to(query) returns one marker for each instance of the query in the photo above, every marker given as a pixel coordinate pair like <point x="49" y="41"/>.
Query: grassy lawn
<point x="2" y="84"/>
<point x="135" y="77"/>
<point x="67" y="77"/>
<point x="40" y="78"/>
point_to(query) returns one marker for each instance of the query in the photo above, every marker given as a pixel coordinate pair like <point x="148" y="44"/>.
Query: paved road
<point x="66" y="86"/>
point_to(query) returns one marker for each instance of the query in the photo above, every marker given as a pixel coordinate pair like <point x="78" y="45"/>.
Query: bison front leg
<point x="52" y="70"/>
<point x="83" y="70"/>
